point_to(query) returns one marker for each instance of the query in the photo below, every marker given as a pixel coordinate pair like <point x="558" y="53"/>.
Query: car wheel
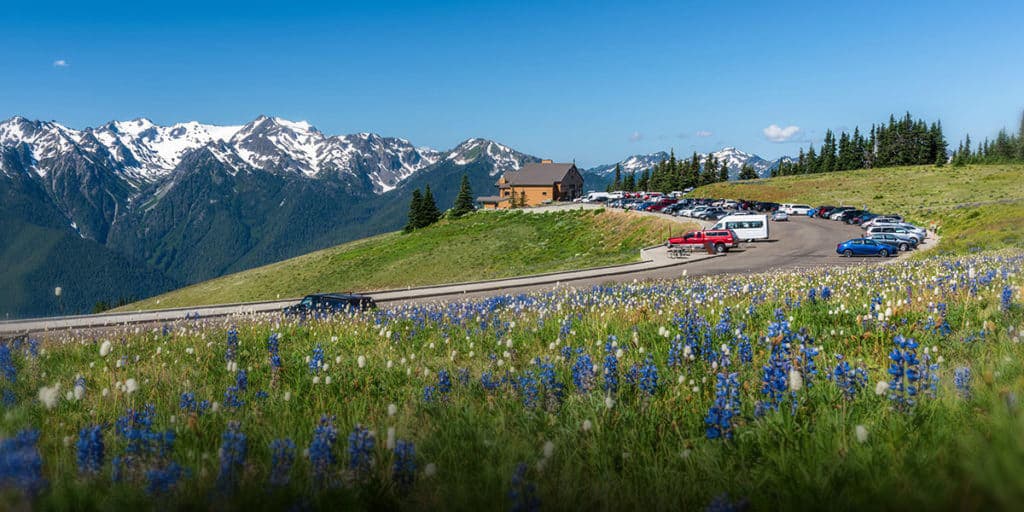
<point x="904" y="247"/>
<point x="848" y="253"/>
<point x="719" y="248"/>
<point x="883" y="253"/>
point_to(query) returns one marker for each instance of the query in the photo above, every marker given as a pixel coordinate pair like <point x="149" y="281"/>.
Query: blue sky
<point x="592" y="81"/>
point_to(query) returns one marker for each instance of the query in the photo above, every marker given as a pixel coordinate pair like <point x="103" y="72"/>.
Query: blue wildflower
<point x="611" y="369"/>
<point x="321" y="450"/>
<point x="360" y="450"/>
<point x="1006" y="299"/>
<point x="962" y="380"/>
<point x="21" y="465"/>
<point x="90" y="449"/>
<point x="231" y="349"/>
<point x="317" y="361"/>
<point x="403" y="470"/>
<point x="648" y="380"/>
<point x="282" y="457"/>
<point x="849" y="380"/>
<point x="242" y="380"/>
<point x="7" y="364"/>
<point x="523" y="493"/>
<point x="232" y="454"/>
<point x="163" y="480"/>
<point x="721" y="416"/>
<point x="583" y="373"/>
<point x="231" y="398"/>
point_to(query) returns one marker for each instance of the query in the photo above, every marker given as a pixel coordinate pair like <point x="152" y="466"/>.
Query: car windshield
<point x="308" y="301"/>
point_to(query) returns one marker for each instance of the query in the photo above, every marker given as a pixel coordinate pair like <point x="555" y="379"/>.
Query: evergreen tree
<point x="747" y="172"/>
<point x="617" y="184"/>
<point x="811" y="160"/>
<point x="629" y="185"/>
<point x="1020" y="139"/>
<point x="463" y="201"/>
<point x="723" y="171"/>
<point x="644" y="181"/>
<point x="430" y="212"/>
<point x="415" y="211"/>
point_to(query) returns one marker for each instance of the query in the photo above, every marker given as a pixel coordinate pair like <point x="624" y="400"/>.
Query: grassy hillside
<point x="486" y="245"/>
<point x="978" y="206"/>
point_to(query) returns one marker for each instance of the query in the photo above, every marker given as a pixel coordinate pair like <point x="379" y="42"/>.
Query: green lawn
<point x="485" y="245"/>
<point x="978" y="206"/>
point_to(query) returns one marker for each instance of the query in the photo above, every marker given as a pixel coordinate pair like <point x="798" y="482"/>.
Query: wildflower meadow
<point x="882" y="386"/>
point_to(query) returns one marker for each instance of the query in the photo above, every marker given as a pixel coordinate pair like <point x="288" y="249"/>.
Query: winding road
<point x="800" y="242"/>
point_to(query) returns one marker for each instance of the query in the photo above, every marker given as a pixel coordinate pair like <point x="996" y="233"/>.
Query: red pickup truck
<point x="720" y="239"/>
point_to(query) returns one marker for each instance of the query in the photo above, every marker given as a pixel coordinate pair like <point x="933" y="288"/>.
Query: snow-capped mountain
<point x="143" y="152"/>
<point x="734" y="158"/>
<point x="634" y="164"/>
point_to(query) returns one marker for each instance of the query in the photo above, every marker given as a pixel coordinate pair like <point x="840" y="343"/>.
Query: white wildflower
<point x="131" y="385"/>
<point x="287" y="396"/>
<point x="430" y="470"/>
<point x="549" y="449"/>
<point x="390" y="443"/>
<point x="881" y="387"/>
<point x="796" y="380"/>
<point x="609" y="402"/>
<point x="361" y="361"/>
<point x="392" y="409"/>
<point x="105" y="348"/>
<point x="586" y="425"/>
<point x="48" y="395"/>
<point x="862" y="433"/>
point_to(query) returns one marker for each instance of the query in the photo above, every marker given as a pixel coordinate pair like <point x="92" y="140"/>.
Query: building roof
<point x="491" y="199"/>
<point x="538" y="174"/>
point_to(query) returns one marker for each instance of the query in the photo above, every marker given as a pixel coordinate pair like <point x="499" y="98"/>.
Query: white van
<point x="747" y="227"/>
<point x="795" y="209"/>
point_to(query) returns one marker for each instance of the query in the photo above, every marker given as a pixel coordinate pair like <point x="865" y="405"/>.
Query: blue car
<point x="866" y="247"/>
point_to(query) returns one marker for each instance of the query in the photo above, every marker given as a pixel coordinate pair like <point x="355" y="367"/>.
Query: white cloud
<point x="776" y="133"/>
<point x="635" y="136"/>
<point x="60" y="63"/>
<point x="704" y="133"/>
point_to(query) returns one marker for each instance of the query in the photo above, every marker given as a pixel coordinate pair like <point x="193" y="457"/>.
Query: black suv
<point x="330" y="303"/>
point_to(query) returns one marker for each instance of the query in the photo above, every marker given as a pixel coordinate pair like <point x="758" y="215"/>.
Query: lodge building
<point x="535" y="184"/>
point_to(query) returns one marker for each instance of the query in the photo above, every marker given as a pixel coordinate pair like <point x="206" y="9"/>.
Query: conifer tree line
<point x="673" y="174"/>
<point x="1004" y="149"/>
<point x="423" y="208"/>
<point x="903" y="141"/>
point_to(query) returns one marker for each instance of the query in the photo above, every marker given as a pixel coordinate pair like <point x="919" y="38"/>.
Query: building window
<point x="543" y="193"/>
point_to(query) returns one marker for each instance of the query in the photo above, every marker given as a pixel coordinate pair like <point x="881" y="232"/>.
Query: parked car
<point x="795" y="209"/>
<point x="904" y="242"/>
<point x="849" y="215"/>
<point x="866" y="247"/>
<point x="835" y="213"/>
<point x="887" y="228"/>
<point x="660" y="205"/>
<point x="710" y="214"/>
<point x="779" y="215"/>
<point x="330" y="303"/>
<point x="820" y="211"/>
<point x="720" y="239"/>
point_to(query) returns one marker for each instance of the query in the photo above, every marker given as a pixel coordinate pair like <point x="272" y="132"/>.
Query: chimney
<point x="546" y="161"/>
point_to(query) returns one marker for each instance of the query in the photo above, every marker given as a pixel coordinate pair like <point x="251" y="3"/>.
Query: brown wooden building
<point x="535" y="184"/>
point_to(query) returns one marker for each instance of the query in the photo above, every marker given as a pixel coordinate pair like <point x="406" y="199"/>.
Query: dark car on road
<point x="866" y="247"/>
<point x="324" y="303"/>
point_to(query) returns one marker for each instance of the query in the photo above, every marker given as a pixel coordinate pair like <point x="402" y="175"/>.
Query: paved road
<point x="800" y="242"/>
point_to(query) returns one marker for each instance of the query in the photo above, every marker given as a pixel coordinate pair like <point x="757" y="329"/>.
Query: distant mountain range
<point x="131" y="208"/>
<point x="734" y="157"/>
